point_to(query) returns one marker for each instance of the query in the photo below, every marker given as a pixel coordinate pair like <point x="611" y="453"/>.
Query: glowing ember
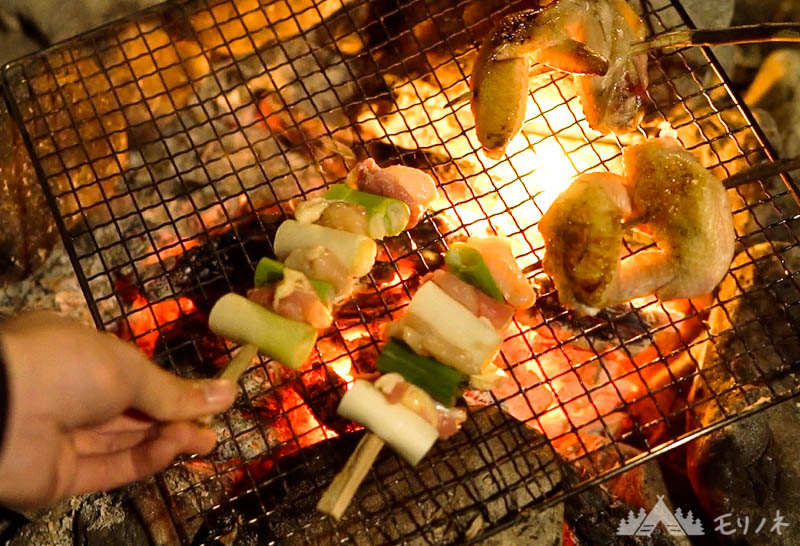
<point x="299" y="425"/>
<point x="343" y="366"/>
<point x="149" y="319"/>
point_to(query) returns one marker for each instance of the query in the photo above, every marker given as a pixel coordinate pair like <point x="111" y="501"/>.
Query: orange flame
<point x="149" y="319"/>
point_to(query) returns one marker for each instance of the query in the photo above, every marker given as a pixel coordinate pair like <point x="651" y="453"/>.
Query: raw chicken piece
<point x="293" y="298"/>
<point x="411" y="186"/>
<point x="496" y="252"/>
<point x="333" y="214"/>
<point x="397" y="390"/>
<point x="319" y="263"/>
<point x="480" y="304"/>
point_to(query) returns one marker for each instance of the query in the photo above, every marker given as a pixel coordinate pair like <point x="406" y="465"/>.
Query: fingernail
<point x="219" y="391"/>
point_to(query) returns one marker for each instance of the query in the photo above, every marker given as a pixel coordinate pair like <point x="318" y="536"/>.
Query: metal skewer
<point x="745" y="34"/>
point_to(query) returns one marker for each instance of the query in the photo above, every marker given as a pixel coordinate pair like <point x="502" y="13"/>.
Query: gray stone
<point x="776" y="90"/>
<point x="15" y="44"/>
<point x="714" y="14"/>
<point x="750" y="468"/>
<point x="58" y="20"/>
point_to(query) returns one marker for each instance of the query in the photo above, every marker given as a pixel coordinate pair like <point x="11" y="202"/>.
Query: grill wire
<point x="145" y="156"/>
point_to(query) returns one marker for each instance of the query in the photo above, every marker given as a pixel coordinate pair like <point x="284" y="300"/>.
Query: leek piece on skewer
<point x="467" y="264"/>
<point x="356" y="252"/>
<point x="386" y="217"/>
<point x="441" y="382"/>
<point x="246" y="322"/>
<point x="410" y="435"/>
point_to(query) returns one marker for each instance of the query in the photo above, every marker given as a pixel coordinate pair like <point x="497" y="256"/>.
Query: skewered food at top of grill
<point x="590" y="39"/>
<point x="321" y="264"/>
<point x="666" y="191"/>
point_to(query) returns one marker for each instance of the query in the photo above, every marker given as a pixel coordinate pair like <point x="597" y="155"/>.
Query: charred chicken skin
<point x="667" y="192"/>
<point x="590" y="39"/>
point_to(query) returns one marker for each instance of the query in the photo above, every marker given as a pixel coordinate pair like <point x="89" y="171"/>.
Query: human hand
<point x="88" y="412"/>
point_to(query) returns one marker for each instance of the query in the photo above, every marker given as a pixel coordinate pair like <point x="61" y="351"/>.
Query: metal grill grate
<point x="170" y="144"/>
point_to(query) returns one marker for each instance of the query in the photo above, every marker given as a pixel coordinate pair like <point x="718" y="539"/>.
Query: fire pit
<point x="170" y="146"/>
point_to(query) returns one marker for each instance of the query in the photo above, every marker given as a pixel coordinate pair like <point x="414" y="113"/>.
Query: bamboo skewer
<point x="337" y="497"/>
<point x="234" y="370"/>
<point x="239" y="363"/>
<point x="763" y="170"/>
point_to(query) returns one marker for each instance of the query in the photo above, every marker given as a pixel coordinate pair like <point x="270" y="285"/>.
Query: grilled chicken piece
<point x="684" y="207"/>
<point x="688" y="214"/>
<point x="590" y="39"/>
<point x="582" y="233"/>
<point x="612" y="102"/>
<point x="412" y="186"/>
<point x="480" y="304"/>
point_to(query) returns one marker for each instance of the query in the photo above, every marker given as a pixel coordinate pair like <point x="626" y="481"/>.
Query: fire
<point x="149" y="319"/>
<point x="343" y="367"/>
<point x="299" y="421"/>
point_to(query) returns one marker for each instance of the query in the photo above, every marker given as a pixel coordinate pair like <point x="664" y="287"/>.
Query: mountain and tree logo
<point x="644" y="523"/>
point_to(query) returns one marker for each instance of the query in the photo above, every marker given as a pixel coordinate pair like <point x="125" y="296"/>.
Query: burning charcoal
<point x="224" y="262"/>
<point x="240" y="27"/>
<point x="437" y="31"/>
<point x="152" y="73"/>
<point x="594" y="517"/>
<point x="750" y="467"/>
<point x="190" y="349"/>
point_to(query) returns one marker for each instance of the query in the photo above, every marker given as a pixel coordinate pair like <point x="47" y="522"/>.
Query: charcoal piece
<point x="492" y="469"/>
<point x="594" y="517"/>
<point x="223" y="263"/>
<point x="78" y="133"/>
<point x="189" y="349"/>
<point x="751" y="467"/>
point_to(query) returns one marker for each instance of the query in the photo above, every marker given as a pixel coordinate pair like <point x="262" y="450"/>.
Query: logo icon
<point x="643" y="524"/>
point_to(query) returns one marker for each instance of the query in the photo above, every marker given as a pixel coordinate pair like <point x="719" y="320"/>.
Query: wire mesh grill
<point x="170" y="145"/>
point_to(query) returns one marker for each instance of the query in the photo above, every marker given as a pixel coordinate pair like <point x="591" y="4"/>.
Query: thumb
<point x="167" y="397"/>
